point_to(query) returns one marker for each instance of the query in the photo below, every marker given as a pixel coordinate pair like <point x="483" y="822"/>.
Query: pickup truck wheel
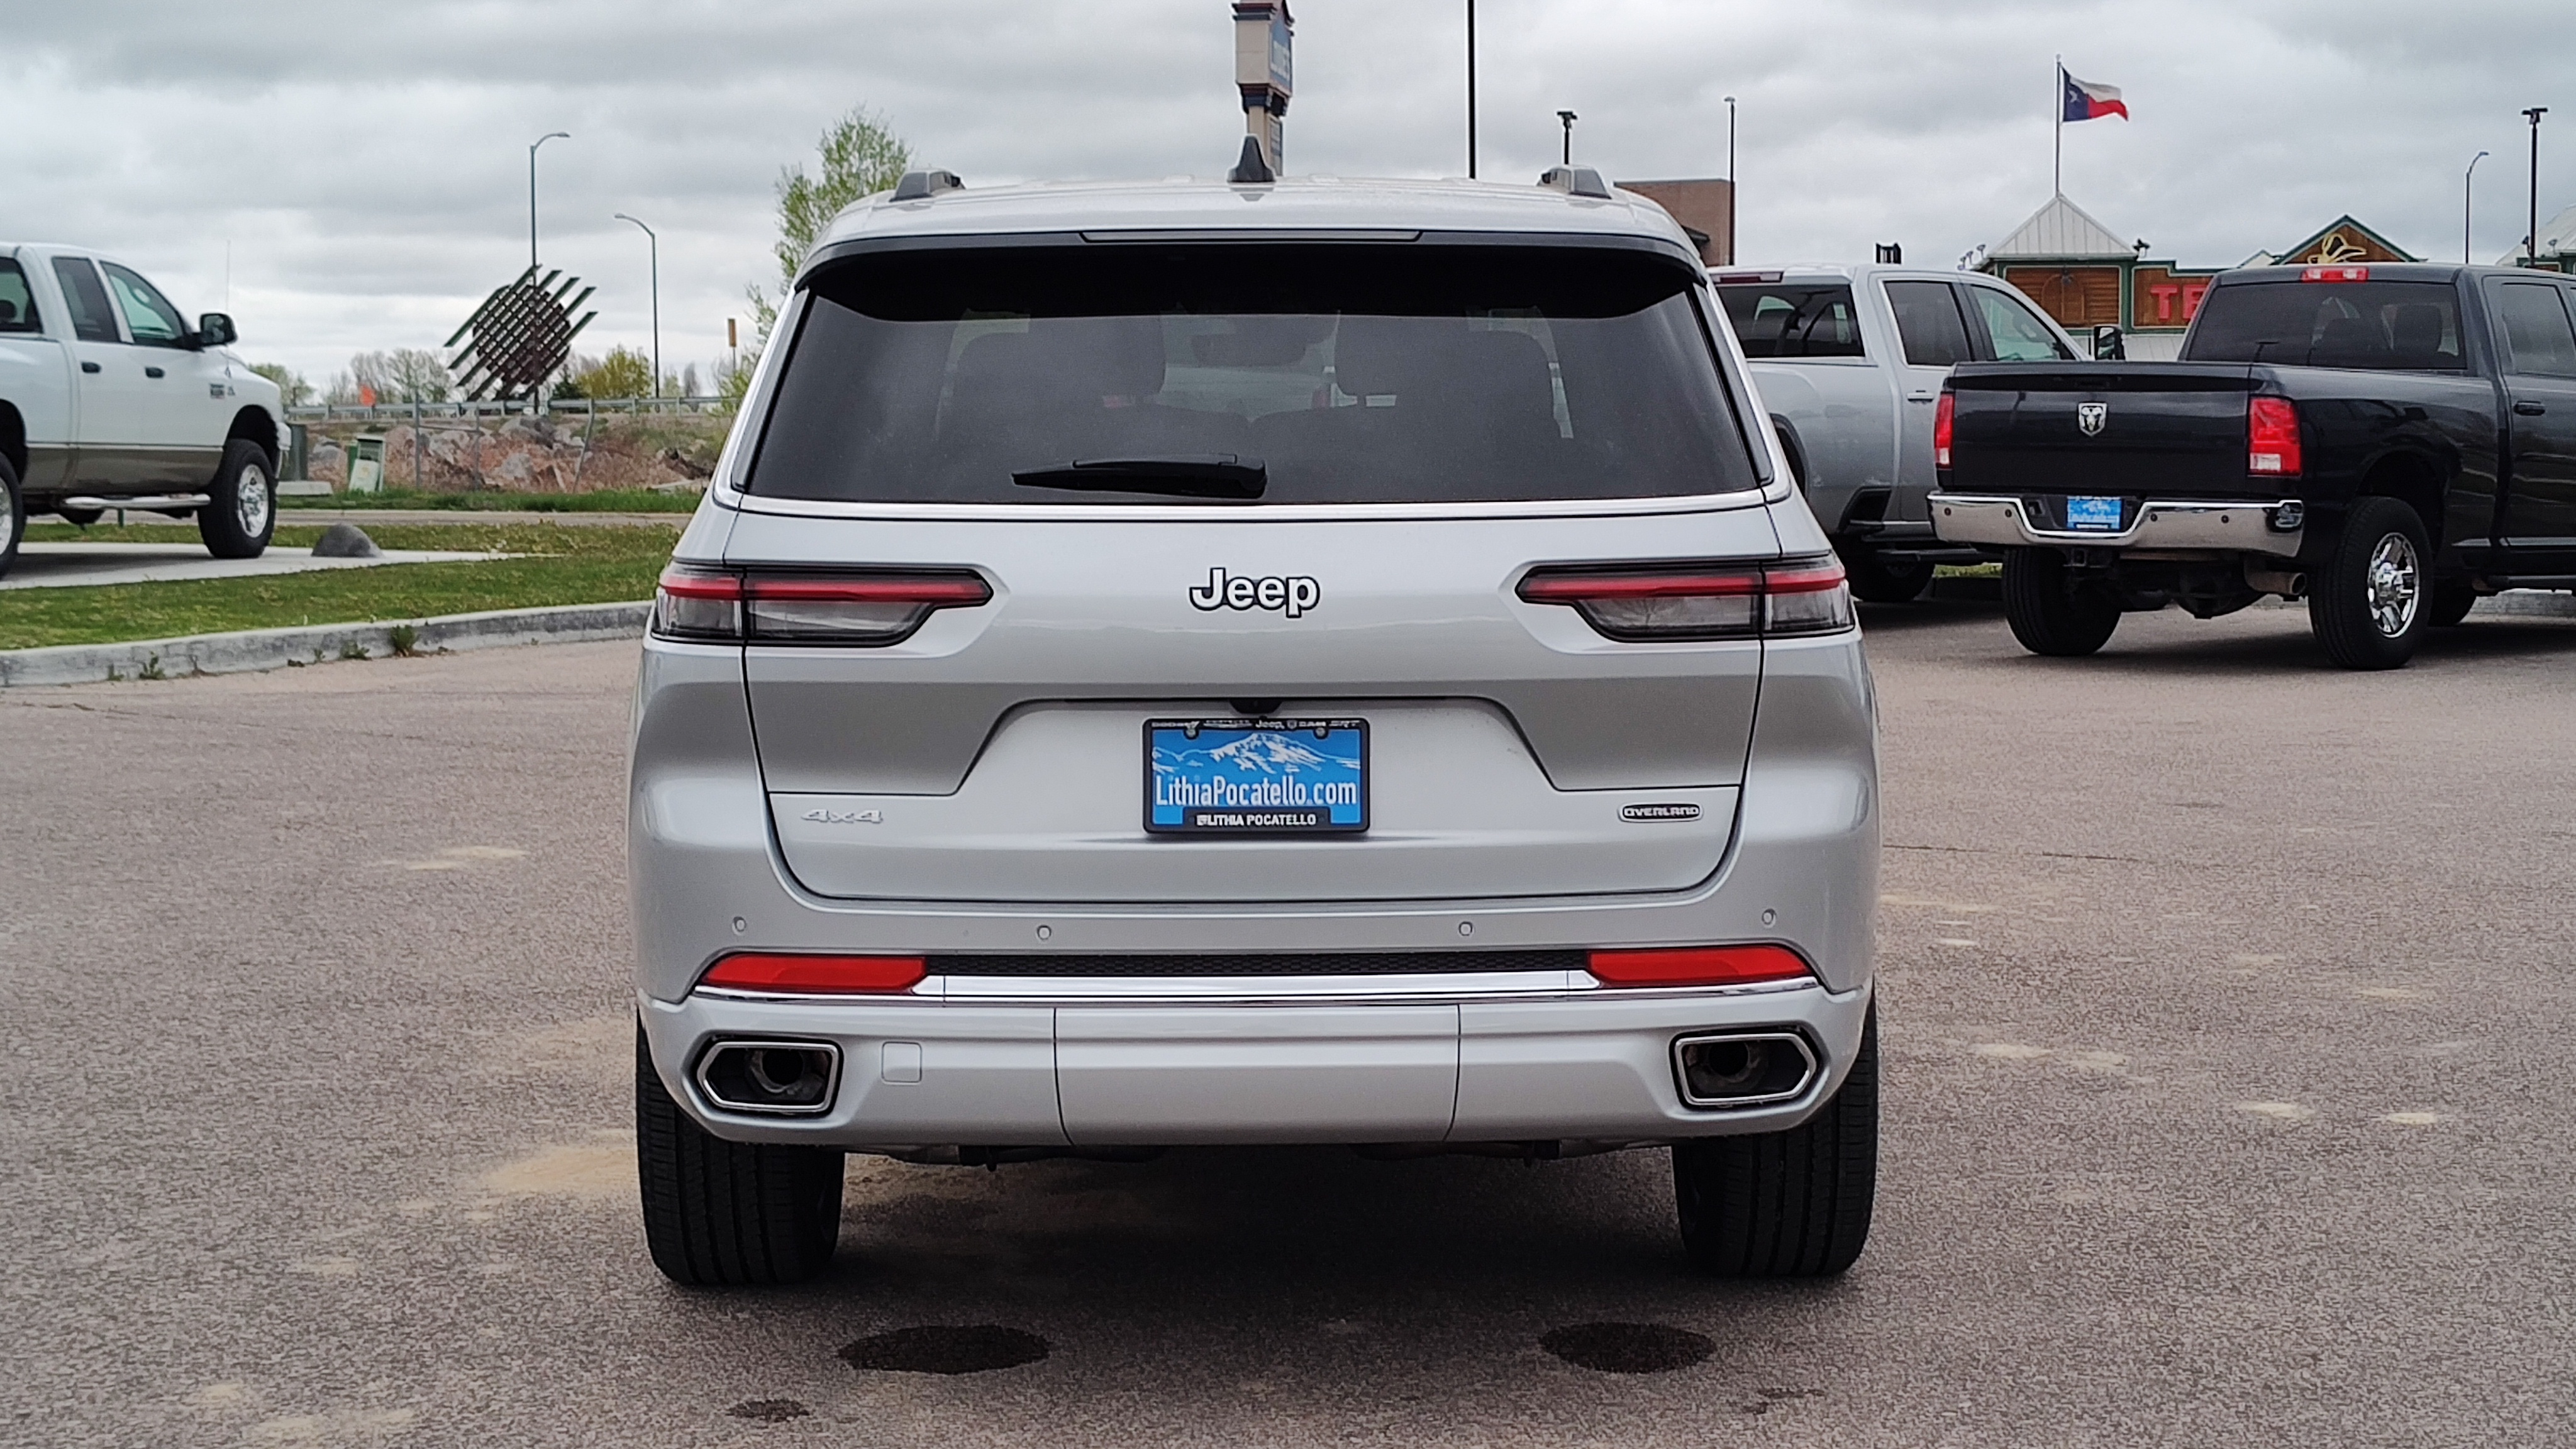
<point x="2370" y="603"/>
<point x="1875" y="580"/>
<point x="1792" y="1204"/>
<point x="241" y="511"/>
<point x="13" y="516"/>
<point x="2047" y="613"/>
<point x="2451" y="603"/>
<point x="80" y="517"/>
<point x="729" y="1214"/>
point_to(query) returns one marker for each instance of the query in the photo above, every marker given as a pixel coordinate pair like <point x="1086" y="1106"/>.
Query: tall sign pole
<point x="2057" y="157"/>
<point x="2468" y="189"/>
<point x="1471" y="90"/>
<point x="1265" y="76"/>
<point x="2531" y="238"/>
<point x="655" y="249"/>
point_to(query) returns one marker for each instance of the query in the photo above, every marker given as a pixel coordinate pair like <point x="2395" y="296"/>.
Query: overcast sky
<point x="365" y="165"/>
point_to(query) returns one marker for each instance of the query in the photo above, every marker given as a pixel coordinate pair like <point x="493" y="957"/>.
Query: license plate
<point x="1256" y="777"/>
<point x="2100" y="515"/>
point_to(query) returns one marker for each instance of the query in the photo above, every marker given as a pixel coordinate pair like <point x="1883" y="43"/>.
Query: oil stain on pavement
<point x="945" y="1349"/>
<point x="1628" y="1348"/>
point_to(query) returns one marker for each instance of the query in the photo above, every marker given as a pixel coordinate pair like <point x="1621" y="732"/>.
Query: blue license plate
<point x="2100" y="515"/>
<point x="1256" y="777"/>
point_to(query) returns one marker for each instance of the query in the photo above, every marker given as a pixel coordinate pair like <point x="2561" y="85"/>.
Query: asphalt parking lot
<point x="2227" y="1102"/>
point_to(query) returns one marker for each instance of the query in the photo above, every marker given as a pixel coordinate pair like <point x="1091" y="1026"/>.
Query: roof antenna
<point x="1254" y="167"/>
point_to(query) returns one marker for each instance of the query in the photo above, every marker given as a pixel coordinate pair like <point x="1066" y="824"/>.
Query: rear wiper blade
<point x="1184" y="475"/>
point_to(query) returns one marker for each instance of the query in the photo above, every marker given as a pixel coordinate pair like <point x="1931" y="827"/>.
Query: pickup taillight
<point x="2272" y="437"/>
<point x="1943" y="418"/>
<point x="1677" y="602"/>
<point x="730" y="606"/>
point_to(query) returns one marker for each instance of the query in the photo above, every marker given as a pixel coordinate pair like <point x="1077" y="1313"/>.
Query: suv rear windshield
<point x="2372" y="326"/>
<point x="1340" y="373"/>
<point x="1791" y="319"/>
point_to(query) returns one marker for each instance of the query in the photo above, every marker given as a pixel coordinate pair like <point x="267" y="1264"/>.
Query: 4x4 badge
<point x="2089" y="417"/>
<point x="1295" y="593"/>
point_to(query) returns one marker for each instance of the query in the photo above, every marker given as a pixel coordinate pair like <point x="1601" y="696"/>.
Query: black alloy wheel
<point x="2452" y="602"/>
<point x="1876" y="580"/>
<point x="2371" y="602"/>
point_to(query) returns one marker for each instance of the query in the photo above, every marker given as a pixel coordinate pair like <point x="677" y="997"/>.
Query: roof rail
<point x="1575" y="181"/>
<point x="923" y="185"/>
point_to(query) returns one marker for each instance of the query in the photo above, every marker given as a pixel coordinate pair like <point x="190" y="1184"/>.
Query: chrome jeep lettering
<point x="1291" y="594"/>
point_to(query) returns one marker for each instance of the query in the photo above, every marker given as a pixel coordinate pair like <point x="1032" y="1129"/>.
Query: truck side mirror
<point x="2108" y="345"/>
<point x="216" y="330"/>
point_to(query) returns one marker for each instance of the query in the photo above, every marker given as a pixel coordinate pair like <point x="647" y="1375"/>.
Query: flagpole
<point x="2057" y="158"/>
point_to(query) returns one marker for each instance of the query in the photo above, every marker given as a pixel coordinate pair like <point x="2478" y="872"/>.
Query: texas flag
<point x="2086" y="101"/>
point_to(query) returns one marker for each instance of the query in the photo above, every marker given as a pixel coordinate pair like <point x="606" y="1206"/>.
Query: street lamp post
<point x="1568" y="118"/>
<point x="532" y="196"/>
<point x="2531" y="238"/>
<point x="2468" y="185"/>
<point x="655" y="243"/>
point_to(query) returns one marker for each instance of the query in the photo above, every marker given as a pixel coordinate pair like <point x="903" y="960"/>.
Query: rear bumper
<point x="2232" y="526"/>
<point x="1593" y="1066"/>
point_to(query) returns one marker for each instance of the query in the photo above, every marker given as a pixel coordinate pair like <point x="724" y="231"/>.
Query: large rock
<point x="345" y="540"/>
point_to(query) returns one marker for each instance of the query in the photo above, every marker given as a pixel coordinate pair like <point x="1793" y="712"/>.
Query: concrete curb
<point x="253" y="650"/>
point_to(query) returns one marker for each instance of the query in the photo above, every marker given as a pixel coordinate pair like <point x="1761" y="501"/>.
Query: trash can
<point x="367" y="463"/>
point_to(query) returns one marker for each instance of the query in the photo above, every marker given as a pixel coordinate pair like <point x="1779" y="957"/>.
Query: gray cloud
<point x="367" y="165"/>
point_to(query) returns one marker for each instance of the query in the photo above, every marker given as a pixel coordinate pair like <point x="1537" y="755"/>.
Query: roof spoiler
<point x="923" y="185"/>
<point x="1575" y="181"/>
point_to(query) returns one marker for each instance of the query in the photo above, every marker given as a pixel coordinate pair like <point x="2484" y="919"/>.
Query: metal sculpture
<point x="519" y="337"/>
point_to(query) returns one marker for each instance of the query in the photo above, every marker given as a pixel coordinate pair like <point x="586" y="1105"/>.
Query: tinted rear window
<point x="1351" y="373"/>
<point x="17" y="303"/>
<point x="1791" y="319"/>
<point x="2373" y="326"/>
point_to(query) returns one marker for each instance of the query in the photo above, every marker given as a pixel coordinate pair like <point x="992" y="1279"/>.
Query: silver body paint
<point x="977" y="789"/>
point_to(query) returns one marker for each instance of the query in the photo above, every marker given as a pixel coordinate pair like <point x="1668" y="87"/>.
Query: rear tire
<point x="2371" y="601"/>
<point x="80" y="517"/>
<point x="729" y="1214"/>
<point x="2049" y="615"/>
<point x="1792" y="1204"/>
<point x="1875" y="580"/>
<point x="241" y="511"/>
<point x="2451" y="603"/>
<point x="13" y="516"/>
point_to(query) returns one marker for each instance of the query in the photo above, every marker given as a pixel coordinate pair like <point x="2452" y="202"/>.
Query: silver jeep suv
<point x="1199" y="663"/>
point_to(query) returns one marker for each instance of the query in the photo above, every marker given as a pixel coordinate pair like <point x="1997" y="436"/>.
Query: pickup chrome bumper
<point x="2244" y="525"/>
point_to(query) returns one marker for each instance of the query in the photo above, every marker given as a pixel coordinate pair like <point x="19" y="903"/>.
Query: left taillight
<point x="776" y="607"/>
<point x="1680" y="602"/>
<point x="1944" y="419"/>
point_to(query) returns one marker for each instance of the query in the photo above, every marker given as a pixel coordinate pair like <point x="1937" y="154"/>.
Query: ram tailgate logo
<point x="2089" y="418"/>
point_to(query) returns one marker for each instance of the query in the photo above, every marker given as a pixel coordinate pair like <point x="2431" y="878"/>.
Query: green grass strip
<point x="563" y="566"/>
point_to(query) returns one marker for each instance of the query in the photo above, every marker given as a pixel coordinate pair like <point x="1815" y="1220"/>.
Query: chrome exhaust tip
<point x="771" y="1078"/>
<point x="1743" y="1068"/>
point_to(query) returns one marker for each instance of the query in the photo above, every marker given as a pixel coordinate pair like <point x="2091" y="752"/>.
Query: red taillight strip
<point x="1571" y="588"/>
<point x="1699" y="966"/>
<point x="815" y="975"/>
<point x="960" y="589"/>
<point x="1812" y="578"/>
<point x="681" y="582"/>
<point x="1945" y="422"/>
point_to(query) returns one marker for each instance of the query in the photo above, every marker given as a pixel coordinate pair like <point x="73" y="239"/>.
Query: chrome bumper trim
<point x="2235" y="526"/>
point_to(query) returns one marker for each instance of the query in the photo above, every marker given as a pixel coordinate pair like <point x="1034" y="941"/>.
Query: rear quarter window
<point x="1792" y="319"/>
<point x="2368" y="326"/>
<point x="1347" y="373"/>
<point x="17" y="301"/>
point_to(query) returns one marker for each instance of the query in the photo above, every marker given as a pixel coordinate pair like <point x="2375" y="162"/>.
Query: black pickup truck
<point x="2387" y="442"/>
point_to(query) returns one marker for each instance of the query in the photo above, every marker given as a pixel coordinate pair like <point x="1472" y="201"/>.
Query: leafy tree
<point x="292" y="389"/>
<point x="404" y="375"/>
<point x="859" y="157"/>
<point x="624" y="372"/>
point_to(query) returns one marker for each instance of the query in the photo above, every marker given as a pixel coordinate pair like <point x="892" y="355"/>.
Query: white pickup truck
<point x="108" y="399"/>
<point x="1850" y="361"/>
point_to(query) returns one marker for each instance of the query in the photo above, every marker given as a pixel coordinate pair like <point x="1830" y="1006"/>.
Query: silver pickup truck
<point x="1850" y="362"/>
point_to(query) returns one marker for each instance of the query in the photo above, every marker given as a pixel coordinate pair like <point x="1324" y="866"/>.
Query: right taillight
<point x="2272" y="437"/>
<point x="762" y="607"/>
<point x="1673" y="602"/>
<point x="1699" y="966"/>
<point x="1943" y="417"/>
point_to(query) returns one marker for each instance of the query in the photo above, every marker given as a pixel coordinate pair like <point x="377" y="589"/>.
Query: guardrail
<point x="579" y="407"/>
